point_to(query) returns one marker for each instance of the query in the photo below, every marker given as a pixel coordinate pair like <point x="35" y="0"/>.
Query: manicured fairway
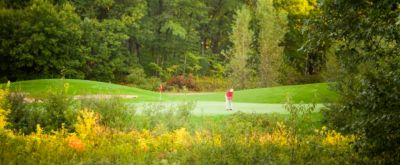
<point x="308" y="93"/>
<point x="39" y="88"/>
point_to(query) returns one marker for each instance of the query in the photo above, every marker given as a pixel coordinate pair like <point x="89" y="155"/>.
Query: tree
<point x="40" y="41"/>
<point x="106" y="53"/>
<point x="367" y="35"/>
<point x="304" y="66"/>
<point x="241" y="37"/>
<point x="272" y="28"/>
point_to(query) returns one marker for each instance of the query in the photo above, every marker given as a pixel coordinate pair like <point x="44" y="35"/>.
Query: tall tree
<point x="241" y="37"/>
<point x="368" y="36"/>
<point x="40" y="41"/>
<point x="304" y="66"/>
<point x="272" y="28"/>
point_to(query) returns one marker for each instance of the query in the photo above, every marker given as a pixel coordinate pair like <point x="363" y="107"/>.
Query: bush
<point x="182" y="82"/>
<point x="159" y="116"/>
<point x="113" y="112"/>
<point x="59" y="110"/>
<point x="136" y="76"/>
<point x="56" y="111"/>
<point x="211" y="83"/>
<point x="24" y="116"/>
<point x="290" y="76"/>
<point x="152" y="83"/>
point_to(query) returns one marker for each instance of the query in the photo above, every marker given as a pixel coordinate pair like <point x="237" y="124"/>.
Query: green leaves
<point x="241" y="38"/>
<point x="41" y="42"/>
<point x="367" y="51"/>
<point x="175" y="28"/>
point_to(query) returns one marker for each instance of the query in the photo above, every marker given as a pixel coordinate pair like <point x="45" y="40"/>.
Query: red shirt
<point x="229" y="95"/>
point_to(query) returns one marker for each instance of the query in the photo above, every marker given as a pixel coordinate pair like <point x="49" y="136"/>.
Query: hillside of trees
<point x="243" y="42"/>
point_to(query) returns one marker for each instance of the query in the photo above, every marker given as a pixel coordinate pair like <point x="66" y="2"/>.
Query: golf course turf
<point x="308" y="93"/>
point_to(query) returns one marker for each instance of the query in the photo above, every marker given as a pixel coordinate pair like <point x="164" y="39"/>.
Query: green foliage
<point x="157" y="116"/>
<point x="113" y="112"/>
<point x="40" y="41"/>
<point x="368" y="78"/>
<point x="136" y="76"/>
<point x="168" y="136"/>
<point x="105" y="39"/>
<point x="241" y="37"/>
<point x="272" y="25"/>
<point x="105" y="45"/>
<point x="211" y="84"/>
<point x="301" y="66"/>
<point x="59" y="110"/>
<point x="23" y="117"/>
<point x="182" y="82"/>
<point x="55" y="112"/>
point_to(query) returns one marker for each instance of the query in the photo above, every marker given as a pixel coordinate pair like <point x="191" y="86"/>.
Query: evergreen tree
<point x="241" y="37"/>
<point x="272" y="24"/>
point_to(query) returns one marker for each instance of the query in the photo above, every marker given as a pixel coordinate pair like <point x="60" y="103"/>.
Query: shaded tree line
<point x="109" y="40"/>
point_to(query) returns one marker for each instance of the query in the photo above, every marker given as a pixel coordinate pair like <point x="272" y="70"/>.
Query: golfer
<point x="228" y="98"/>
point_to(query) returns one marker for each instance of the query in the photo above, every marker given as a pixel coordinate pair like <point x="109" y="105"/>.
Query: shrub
<point x="182" y="82"/>
<point x="151" y="83"/>
<point x="168" y="118"/>
<point x="211" y="83"/>
<point x="113" y="112"/>
<point x="24" y="116"/>
<point x="136" y="76"/>
<point x="59" y="109"/>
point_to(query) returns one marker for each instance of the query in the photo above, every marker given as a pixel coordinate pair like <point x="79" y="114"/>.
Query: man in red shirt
<point x="228" y="98"/>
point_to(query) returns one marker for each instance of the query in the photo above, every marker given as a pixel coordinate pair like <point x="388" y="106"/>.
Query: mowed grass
<point x="308" y="93"/>
<point x="39" y="88"/>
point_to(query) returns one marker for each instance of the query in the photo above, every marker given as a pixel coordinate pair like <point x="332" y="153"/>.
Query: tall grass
<point x="169" y="137"/>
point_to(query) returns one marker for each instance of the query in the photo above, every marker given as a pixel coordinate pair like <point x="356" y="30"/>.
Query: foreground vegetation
<point x="104" y="132"/>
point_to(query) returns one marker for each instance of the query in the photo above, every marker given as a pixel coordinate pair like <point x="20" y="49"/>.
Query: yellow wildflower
<point x="86" y="122"/>
<point x="143" y="144"/>
<point x="182" y="137"/>
<point x="217" y="139"/>
<point x="3" y="110"/>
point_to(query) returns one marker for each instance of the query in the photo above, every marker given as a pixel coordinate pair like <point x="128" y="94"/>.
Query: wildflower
<point x="86" y="123"/>
<point x="143" y="144"/>
<point x="3" y="110"/>
<point x="181" y="137"/>
<point x="217" y="140"/>
<point x="335" y="138"/>
<point x="76" y="144"/>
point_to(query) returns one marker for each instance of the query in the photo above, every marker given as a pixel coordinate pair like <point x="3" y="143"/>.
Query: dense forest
<point x="245" y="43"/>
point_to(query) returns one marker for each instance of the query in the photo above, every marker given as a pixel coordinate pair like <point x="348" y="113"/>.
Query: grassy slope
<point x="299" y="93"/>
<point x="39" y="88"/>
<point x="305" y="93"/>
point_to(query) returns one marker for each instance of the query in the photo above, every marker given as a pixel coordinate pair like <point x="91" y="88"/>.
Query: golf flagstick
<point x="160" y="89"/>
